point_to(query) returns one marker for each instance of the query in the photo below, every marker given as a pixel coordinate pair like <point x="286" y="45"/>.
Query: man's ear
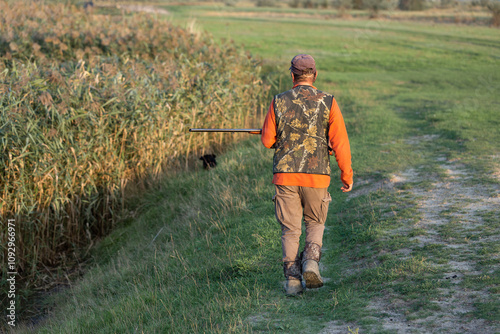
<point x="293" y="76"/>
<point x="315" y="76"/>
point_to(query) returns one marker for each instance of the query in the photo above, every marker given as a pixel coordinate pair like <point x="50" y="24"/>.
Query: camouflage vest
<point x="302" y="116"/>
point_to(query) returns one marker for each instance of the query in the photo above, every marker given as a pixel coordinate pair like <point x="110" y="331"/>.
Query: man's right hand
<point x="346" y="187"/>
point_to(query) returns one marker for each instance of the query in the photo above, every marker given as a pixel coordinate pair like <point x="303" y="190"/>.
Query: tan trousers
<point x="292" y="203"/>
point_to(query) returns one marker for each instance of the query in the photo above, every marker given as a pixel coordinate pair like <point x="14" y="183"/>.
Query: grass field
<point x="413" y="248"/>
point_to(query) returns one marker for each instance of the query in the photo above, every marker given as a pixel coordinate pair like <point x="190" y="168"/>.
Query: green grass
<point x="203" y="253"/>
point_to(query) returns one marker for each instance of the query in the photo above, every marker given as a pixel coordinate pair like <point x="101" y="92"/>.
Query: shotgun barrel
<point x="251" y="131"/>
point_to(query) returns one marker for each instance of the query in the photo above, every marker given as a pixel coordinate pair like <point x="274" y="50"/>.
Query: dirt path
<point x="452" y="215"/>
<point x="460" y="217"/>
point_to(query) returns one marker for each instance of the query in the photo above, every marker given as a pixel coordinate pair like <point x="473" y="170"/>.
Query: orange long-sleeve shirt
<point x="339" y="142"/>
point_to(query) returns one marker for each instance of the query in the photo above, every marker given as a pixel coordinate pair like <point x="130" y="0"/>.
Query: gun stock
<point x="251" y="131"/>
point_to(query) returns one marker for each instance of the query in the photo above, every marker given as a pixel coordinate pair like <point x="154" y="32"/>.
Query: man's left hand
<point x="346" y="187"/>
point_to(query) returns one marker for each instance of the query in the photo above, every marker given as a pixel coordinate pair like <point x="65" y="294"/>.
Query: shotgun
<point x="251" y="131"/>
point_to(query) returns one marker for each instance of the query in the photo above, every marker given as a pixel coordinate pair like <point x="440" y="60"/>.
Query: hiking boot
<point x="310" y="265"/>
<point x="293" y="276"/>
<point x="291" y="269"/>
<point x="293" y="287"/>
<point x="310" y="272"/>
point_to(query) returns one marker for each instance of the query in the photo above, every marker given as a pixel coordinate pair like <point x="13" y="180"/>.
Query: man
<point x="305" y="126"/>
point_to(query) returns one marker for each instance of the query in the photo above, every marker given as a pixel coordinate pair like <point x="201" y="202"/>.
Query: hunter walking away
<point x="305" y="126"/>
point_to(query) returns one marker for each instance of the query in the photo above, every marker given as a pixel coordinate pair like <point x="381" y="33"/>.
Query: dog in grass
<point x="208" y="161"/>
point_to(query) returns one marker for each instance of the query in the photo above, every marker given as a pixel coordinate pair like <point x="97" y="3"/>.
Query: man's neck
<point x="302" y="83"/>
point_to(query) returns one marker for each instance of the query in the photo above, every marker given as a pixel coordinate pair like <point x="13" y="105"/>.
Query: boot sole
<point x="313" y="281"/>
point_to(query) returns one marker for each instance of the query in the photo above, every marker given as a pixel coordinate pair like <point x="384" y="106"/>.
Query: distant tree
<point x="309" y="4"/>
<point x="266" y="3"/>
<point x="343" y="6"/>
<point x="494" y="7"/>
<point x="357" y="4"/>
<point x="377" y="5"/>
<point x="411" y="4"/>
<point x="449" y="3"/>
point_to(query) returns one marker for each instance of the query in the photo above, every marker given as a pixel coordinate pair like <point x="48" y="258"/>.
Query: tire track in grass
<point x="457" y="232"/>
<point x="454" y="232"/>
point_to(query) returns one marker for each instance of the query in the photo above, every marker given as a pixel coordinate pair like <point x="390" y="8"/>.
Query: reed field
<point x="412" y="249"/>
<point x="91" y="108"/>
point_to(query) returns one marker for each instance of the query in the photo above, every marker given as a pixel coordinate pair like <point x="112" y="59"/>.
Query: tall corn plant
<point x="90" y="104"/>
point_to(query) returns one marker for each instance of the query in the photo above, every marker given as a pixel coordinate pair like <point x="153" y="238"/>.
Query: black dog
<point x="209" y="161"/>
